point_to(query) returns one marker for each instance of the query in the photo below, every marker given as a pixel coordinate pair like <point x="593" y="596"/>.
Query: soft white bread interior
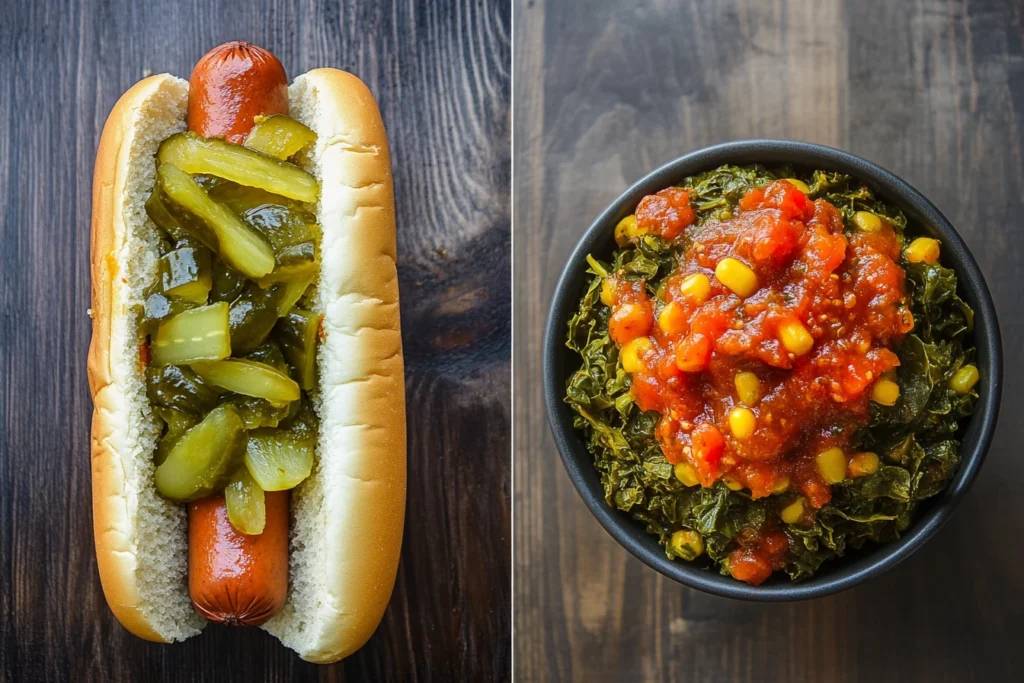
<point x="347" y="518"/>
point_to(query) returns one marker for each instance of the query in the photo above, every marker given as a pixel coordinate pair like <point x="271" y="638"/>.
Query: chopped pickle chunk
<point x="305" y="425"/>
<point x="197" y="334"/>
<point x="160" y="214"/>
<point x="185" y="273"/>
<point x="249" y="378"/>
<point x="292" y="292"/>
<point x="259" y="412"/>
<point x="203" y="459"/>
<point x="253" y="315"/>
<point x="279" y="136"/>
<point x="159" y="307"/>
<point x="246" y="503"/>
<point x="278" y="459"/>
<point x="299" y="262"/>
<point x="235" y="242"/>
<point x="178" y="423"/>
<point x="298" y="333"/>
<point x="238" y="249"/>
<point x="179" y="388"/>
<point x="194" y="154"/>
<point x="281" y="220"/>
<point x="269" y="353"/>
<point x="227" y="284"/>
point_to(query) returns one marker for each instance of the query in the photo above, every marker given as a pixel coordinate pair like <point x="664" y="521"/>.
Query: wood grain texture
<point x="605" y="91"/>
<point x="441" y="74"/>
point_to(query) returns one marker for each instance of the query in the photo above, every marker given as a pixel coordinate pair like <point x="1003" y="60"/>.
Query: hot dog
<point x="235" y="578"/>
<point x="289" y="348"/>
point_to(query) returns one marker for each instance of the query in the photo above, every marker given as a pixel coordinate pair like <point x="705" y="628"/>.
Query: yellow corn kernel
<point x="885" y="392"/>
<point x="964" y="379"/>
<point x="795" y="337"/>
<point x="608" y="291"/>
<point x="780" y="485"/>
<point x="686" y="544"/>
<point x="737" y="276"/>
<point x="832" y="465"/>
<point x="792" y="513"/>
<point x="696" y="288"/>
<point x="625" y="230"/>
<point x="798" y="184"/>
<point x="632" y="354"/>
<point x="672" y="319"/>
<point x="748" y="387"/>
<point x="686" y="474"/>
<point x="922" y="250"/>
<point x="742" y="422"/>
<point x="867" y="221"/>
<point x="863" y="464"/>
<point x="732" y="483"/>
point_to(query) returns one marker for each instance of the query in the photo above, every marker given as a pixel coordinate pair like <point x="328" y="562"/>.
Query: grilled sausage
<point x="232" y="84"/>
<point x="234" y="578"/>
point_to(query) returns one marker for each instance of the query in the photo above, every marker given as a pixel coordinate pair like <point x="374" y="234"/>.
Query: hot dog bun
<point x="347" y="517"/>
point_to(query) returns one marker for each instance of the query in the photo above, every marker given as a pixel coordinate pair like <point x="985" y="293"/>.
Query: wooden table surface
<point x="604" y="92"/>
<point x="440" y="72"/>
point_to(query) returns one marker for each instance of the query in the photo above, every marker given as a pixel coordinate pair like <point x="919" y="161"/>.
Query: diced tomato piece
<point x="749" y="567"/>
<point x="767" y="237"/>
<point x="753" y="199"/>
<point x="666" y="213"/>
<point x="792" y="202"/>
<point x="817" y="492"/>
<point x="710" y="321"/>
<point x="693" y="353"/>
<point x="775" y="543"/>
<point x="667" y="368"/>
<point x="631" y="320"/>
<point x="759" y="478"/>
<point x="708" y="446"/>
<point x="646" y="392"/>
<point x="823" y="254"/>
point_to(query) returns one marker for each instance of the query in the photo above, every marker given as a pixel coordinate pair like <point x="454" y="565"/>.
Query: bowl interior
<point x="836" y="575"/>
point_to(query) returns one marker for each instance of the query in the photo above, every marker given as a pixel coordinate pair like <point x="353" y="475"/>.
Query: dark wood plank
<point x="440" y="72"/>
<point x="605" y="91"/>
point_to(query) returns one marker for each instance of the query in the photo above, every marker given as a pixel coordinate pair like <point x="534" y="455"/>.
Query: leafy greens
<point x="915" y="438"/>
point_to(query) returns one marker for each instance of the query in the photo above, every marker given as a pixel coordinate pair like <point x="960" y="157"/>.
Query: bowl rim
<point x="845" y="573"/>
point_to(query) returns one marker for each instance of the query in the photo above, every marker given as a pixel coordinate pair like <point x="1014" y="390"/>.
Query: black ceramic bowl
<point x="872" y="559"/>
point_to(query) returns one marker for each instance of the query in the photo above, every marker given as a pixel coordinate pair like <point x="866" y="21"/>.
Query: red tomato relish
<point x="778" y="292"/>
